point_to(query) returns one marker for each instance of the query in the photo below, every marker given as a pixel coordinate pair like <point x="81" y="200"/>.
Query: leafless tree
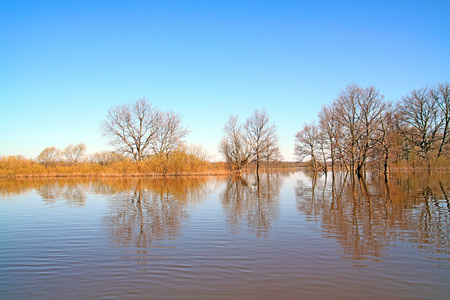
<point x="138" y="129"/>
<point x="197" y="151"/>
<point x="371" y="106"/>
<point x="421" y="121"/>
<point x="105" y="157"/>
<point x="330" y="129"/>
<point x="132" y="128"/>
<point x="49" y="156"/>
<point x="387" y="134"/>
<point x="349" y="122"/>
<point x="74" y="154"/>
<point x="307" y="143"/>
<point x="357" y="112"/>
<point x="441" y="95"/>
<point x="234" y="146"/>
<point x="323" y="146"/>
<point x="170" y="134"/>
<point x="262" y="138"/>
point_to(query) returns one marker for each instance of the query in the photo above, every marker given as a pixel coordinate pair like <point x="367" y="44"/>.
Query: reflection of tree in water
<point x="428" y="214"/>
<point x="75" y="189"/>
<point x="151" y="210"/>
<point x="252" y="202"/>
<point x="365" y="216"/>
<point x="74" y="193"/>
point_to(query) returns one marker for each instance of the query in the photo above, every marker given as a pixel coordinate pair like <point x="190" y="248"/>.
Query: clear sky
<point x="64" y="64"/>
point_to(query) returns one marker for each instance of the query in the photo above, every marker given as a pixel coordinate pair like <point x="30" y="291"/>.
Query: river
<point x="286" y="236"/>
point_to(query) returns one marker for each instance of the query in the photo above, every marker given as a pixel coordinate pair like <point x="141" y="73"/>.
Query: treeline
<point x="359" y="129"/>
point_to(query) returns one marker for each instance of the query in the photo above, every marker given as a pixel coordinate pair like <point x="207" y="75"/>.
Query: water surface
<point x="285" y="236"/>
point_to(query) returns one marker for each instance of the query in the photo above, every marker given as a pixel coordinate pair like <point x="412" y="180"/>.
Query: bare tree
<point x="420" y="121"/>
<point x="262" y="138"/>
<point x="198" y="152"/>
<point x="74" y="154"/>
<point x="387" y="134"/>
<point x="330" y="129"/>
<point x="441" y="95"/>
<point x="234" y="146"/>
<point x="349" y="122"/>
<point x="358" y="111"/>
<point x="105" y="157"/>
<point x="170" y="134"/>
<point x="323" y="146"/>
<point x="370" y="107"/>
<point x="49" y="156"/>
<point x="132" y="128"/>
<point x="307" y="143"/>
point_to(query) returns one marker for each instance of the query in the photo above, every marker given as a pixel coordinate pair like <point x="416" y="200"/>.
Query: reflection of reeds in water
<point x="252" y="202"/>
<point x="53" y="188"/>
<point x="142" y="211"/>
<point x="366" y="215"/>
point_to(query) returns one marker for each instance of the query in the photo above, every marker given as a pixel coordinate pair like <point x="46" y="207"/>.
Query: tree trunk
<point x="386" y="164"/>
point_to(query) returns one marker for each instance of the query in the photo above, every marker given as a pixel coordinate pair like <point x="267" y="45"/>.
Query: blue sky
<point x="64" y="64"/>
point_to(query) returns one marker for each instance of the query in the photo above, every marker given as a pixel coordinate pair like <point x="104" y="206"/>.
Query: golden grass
<point x="179" y="163"/>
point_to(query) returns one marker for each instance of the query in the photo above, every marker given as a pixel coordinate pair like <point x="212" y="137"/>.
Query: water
<point x="290" y="236"/>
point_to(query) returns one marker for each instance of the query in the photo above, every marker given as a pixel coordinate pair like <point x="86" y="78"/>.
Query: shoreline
<point x="205" y="173"/>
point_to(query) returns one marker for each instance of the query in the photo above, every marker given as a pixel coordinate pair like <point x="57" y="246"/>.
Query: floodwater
<point x="289" y="236"/>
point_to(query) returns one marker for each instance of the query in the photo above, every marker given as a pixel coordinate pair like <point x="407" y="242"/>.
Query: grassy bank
<point x="176" y="164"/>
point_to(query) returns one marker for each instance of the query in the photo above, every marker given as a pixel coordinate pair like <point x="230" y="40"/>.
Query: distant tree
<point x="261" y="137"/>
<point x="420" y="121"/>
<point x="74" y="154"/>
<point x="371" y="107"/>
<point x="139" y="130"/>
<point x="357" y="113"/>
<point x="307" y="144"/>
<point x="323" y="145"/>
<point x="197" y="151"/>
<point x="441" y="95"/>
<point x="49" y="156"/>
<point x="169" y="135"/>
<point x="234" y="147"/>
<point x="132" y="128"/>
<point x="105" y="157"/>
<point x="387" y="136"/>
<point x="330" y="132"/>
<point x="349" y="122"/>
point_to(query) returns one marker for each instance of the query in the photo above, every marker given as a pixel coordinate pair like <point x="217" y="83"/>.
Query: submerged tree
<point x="262" y="138"/>
<point x="330" y="133"/>
<point x="421" y="121"/>
<point x="387" y="137"/>
<point x="358" y="111"/>
<point x="256" y="141"/>
<point x="307" y="143"/>
<point x="234" y="146"/>
<point x="441" y="95"/>
<point x="360" y="128"/>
